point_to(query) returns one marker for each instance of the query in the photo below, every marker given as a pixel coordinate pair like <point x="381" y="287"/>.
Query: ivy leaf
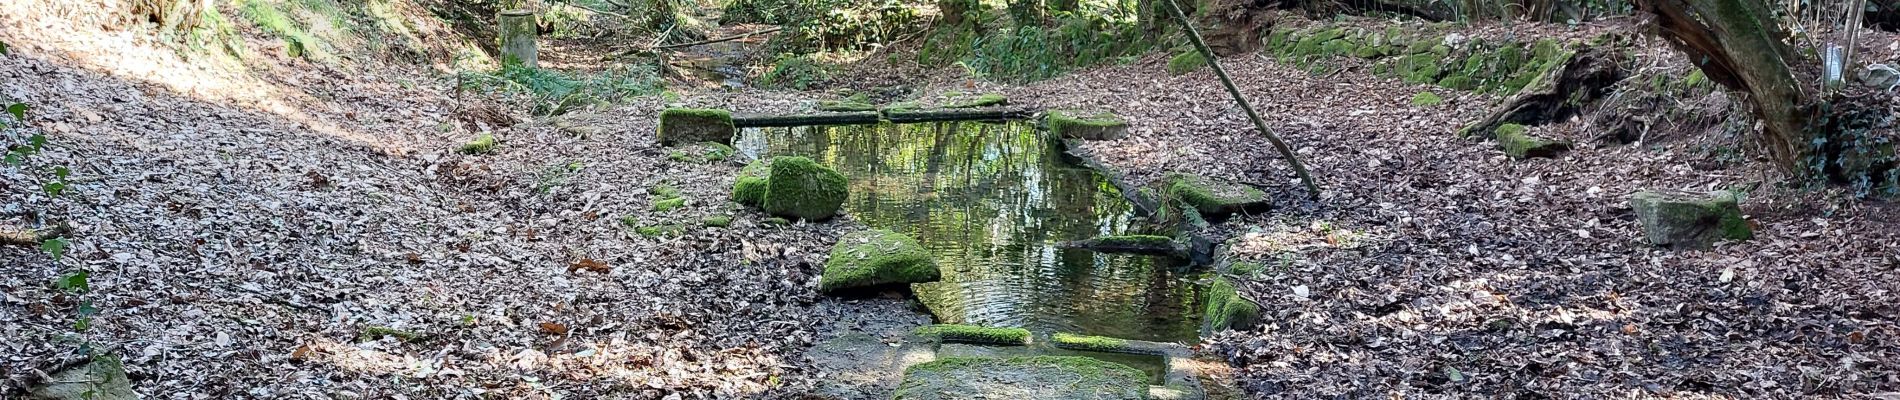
<point x="18" y="110"/>
<point x="38" y="140"/>
<point x="74" y="282"/>
<point x="62" y="172"/>
<point x="54" y="188"/>
<point x="13" y="159"/>
<point x="56" y="247"/>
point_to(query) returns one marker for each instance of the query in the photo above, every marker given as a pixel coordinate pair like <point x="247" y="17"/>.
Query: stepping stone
<point x="876" y="257"/>
<point x="1515" y="142"/>
<point x="1215" y="199"/>
<point x="1086" y="125"/>
<point x="1690" y="222"/>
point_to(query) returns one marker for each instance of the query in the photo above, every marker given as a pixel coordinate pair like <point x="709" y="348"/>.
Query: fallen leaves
<point x="589" y="265"/>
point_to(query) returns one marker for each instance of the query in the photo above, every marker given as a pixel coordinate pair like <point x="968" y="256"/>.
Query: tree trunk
<point x="1026" y="12"/>
<point x="1738" y="44"/>
<point x="955" y="11"/>
<point x="1064" y="5"/>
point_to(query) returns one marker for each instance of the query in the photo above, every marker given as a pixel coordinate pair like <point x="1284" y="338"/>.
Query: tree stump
<point x="518" y="35"/>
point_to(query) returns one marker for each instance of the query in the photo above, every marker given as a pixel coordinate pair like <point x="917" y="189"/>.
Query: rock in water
<point x="1685" y="222"/>
<point x="800" y="188"/>
<point x="876" y="257"/>
<point x="101" y="379"/>
<point x="693" y="125"/>
<point x="1226" y="309"/>
<point x="1215" y="199"/>
<point x="1034" y="377"/>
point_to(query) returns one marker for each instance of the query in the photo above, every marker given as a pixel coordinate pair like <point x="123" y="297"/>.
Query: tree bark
<point x="1738" y="44"/>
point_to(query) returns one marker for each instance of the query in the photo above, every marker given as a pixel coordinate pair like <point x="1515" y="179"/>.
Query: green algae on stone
<point x="1690" y="222"/>
<point x="875" y="257"/>
<point x="1030" y="377"/>
<point x="985" y="100"/>
<point x="694" y="125"/>
<point x="1426" y="99"/>
<point x="1214" y="198"/>
<point x="716" y="151"/>
<point x="1186" y="62"/>
<point x="800" y="188"/>
<point x="1418" y="68"/>
<point x="481" y="145"/>
<point x="1104" y="344"/>
<point x="749" y="188"/>
<point x="1225" y="309"/>
<point x="956" y="333"/>
<point x="1518" y="143"/>
<point x="1458" y="81"/>
<point x="1086" y="126"/>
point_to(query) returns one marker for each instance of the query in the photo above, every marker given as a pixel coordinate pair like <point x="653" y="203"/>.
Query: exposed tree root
<point x="13" y="236"/>
<point x="1558" y="94"/>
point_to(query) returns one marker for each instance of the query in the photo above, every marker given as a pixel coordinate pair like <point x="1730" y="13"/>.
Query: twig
<point x="575" y="5"/>
<point x="1214" y="63"/>
<point x="33" y="237"/>
<point x="723" y="39"/>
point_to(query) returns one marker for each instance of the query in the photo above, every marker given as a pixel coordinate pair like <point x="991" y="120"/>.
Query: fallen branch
<point x="723" y="39"/>
<point x="32" y="237"/>
<point x="1213" y="62"/>
<point x="841" y="118"/>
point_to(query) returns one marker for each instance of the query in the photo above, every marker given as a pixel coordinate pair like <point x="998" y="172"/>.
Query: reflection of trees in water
<point x="992" y="201"/>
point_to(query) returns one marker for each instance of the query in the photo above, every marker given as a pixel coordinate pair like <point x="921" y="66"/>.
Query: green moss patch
<point x="483" y="144"/>
<point x="1225" y="309"/>
<point x="749" y="188"/>
<point x="845" y="105"/>
<point x="1030" y="377"/>
<point x="876" y="257"/>
<point x="1426" y="99"/>
<point x="1105" y="344"/>
<point x="801" y="188"/>
<point x="671" y="204"/>
<point x="717" y="221"/>
<point x="694" y="125"/>
<point x="975" y="334"/>
<point x="1518" y="143"/>
<point x="1214" y="198"/>
<point x="1690" y="222"/>
<point x="1186" y="62"/>
<point x="379" y="332"/>
<point x="1086" y="126"/>
<point x="984" y="100"/>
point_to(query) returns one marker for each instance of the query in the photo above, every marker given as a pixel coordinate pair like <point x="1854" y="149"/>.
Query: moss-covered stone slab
<point x="876" y="257"/>
<point x="1071" y="341"/>
<point x="1214" y="198"/>
<point x="1225" y="309"/>
<point x="749" y="188"/>
<point x="800" y="188"/>
<point x="973" y="334"/>
<point x="1517" y="142"/>
<point x="1034" y="377"/>
<point x="694" y="125"/>
<point x="1690" y="222"/>
<point x="1083" y="125"/>
<point x="983" y="100"/>
<point x="102" y="378"/>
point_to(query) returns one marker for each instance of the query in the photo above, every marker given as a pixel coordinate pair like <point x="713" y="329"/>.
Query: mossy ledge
<point x="1065" y="340"/>
<point x="749" y="188"/>
<point x="1031" y="377"/>
<point x="1214" y="198"/>
<point x="974" y="334"/>
<point x="983" y="100"/>
<point x="694" y="125"/>
<point x="1515" y="140"/>
<point x="483" y="144"/>
<point x="1085" y="125"/>
<point x="1226" y="309"/>
<point x="876" y="257"/>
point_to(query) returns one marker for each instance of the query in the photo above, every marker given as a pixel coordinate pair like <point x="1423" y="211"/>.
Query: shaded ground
<point x="243" y="234"/>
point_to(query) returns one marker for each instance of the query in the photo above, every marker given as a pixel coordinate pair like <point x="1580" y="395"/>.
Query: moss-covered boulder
<point x="1186" y="62"/>
<point x="1418" y="68"/>
<point x="1215" y="198"/>
<point x="1086" y="126"/>
<point x="1032" y="377"/>
<point x="876" y="257"/>
<point x="1690" y="222"/>
<point x="1225" y="309"/>
<point x="102" y="378"/>
<point x="974" y="334"/>
<point x="694" y="125"/>
<point x="1517" y="142"/>
<point x="749" y="188"/>
<point x="798" y="187"/>
<point x="483" y="144"/>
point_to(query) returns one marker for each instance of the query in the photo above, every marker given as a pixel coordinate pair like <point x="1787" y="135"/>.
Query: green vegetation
<point x="749" y="188"/>
<point x="1095" y="343"/>
<point x="1213" y="198"/>
<point x="1426" y="99"/>
<point x="481" y="145"/>
<point x="1010" y="52"/>
<point x="1186" y="62"/>
<point x="717" y="221"/>
<point x="297" y="41"/>
<point x="801" y="71"/>
<point x="664" y="205"/>
<point x="1225" y="309"/>
<point x="1518" y="143"/>
<point x="379" y="332"/>
<point x="801" y="188"/>
<point x="876" y="257"/>
<point x="975" y="334"/>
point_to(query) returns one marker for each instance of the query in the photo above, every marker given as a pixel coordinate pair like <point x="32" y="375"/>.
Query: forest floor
<point x="248" y="235"/>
